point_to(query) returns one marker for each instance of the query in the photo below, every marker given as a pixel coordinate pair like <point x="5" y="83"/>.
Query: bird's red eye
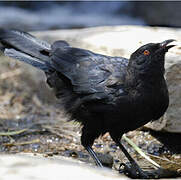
<point x="146" y="52"/>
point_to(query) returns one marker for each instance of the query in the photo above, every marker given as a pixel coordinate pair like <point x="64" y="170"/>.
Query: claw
<point x="121" y="168"/>
<point x="132" y="171"/>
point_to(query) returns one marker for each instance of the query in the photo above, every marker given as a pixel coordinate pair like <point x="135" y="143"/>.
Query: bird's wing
<point x="88" y="72"/>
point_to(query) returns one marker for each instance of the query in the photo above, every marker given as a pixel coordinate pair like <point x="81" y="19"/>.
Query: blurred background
<point x="60" y="15"/>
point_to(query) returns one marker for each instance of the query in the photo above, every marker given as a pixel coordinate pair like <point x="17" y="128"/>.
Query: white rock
<point x="29" y="167"/>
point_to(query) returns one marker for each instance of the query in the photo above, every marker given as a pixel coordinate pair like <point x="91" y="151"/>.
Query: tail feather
<point x="43" y="65"/>
<point x="25" y="47"/>
<point x="24" y="42"/>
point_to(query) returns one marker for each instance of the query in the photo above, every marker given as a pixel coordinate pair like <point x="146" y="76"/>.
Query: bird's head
<point x="149" y="59"/>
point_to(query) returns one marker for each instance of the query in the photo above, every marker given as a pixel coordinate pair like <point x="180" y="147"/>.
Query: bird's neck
<point x="138" y="80"/>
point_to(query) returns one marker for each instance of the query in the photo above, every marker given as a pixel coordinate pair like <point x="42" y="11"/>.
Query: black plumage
<point x="103" y="93"/>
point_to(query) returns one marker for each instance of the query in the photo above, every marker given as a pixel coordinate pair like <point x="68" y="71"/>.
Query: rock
<point x="122" y="41"/>
<point x="106" y="159"/>
<point x="27" y="167"/>
<point x="171" y="121"/>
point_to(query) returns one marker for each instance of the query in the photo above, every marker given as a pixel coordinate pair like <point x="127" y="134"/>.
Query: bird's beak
<point x="163" y="45"/>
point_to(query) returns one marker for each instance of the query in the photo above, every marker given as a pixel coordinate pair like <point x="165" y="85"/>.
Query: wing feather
<point x="88" y="72"/>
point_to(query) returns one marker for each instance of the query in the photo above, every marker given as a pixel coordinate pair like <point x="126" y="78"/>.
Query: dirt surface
<point x="29" y="122"/>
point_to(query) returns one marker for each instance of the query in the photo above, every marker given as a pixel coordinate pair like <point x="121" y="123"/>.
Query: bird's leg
<point x="132" y="170"/>
<point x="87" y="140"/>
<point x="94" y="156"/>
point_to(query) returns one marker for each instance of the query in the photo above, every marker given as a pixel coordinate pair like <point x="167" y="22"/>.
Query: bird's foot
<point x="133" y="171"/>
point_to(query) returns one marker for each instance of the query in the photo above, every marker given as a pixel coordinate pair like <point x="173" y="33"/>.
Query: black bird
<point x="103" y="93"/>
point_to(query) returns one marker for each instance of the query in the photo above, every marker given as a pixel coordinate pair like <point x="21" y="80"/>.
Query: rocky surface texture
<point x="30" y="167"/>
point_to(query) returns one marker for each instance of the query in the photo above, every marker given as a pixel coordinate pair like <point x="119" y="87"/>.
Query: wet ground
<point x="29" y="123"/>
